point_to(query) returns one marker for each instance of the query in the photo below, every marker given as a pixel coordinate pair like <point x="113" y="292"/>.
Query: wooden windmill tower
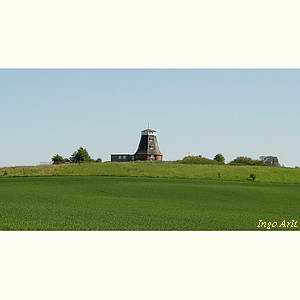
<point x="148" y="148"/>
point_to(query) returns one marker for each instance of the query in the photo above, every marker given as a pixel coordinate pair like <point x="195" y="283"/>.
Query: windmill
<point x="148" y="147"/>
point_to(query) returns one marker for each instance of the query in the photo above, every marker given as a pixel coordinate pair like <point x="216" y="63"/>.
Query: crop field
<point x="142" y="203"/>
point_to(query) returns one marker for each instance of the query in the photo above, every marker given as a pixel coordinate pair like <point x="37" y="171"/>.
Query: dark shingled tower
<point x="148" y="147"/>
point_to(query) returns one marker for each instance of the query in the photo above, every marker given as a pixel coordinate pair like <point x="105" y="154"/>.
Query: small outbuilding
<point x="270" y="161"/>
<point x="122" y="157"/>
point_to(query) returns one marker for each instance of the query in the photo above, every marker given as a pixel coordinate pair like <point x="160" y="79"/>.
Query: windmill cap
<point x="149" y="132"/>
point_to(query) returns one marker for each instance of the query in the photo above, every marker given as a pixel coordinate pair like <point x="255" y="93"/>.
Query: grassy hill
<point x="162" y="170"/>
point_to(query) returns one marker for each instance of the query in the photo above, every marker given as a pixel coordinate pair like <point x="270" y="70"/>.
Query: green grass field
<point x="144" y="203"/>
<point x="162" y="170"/>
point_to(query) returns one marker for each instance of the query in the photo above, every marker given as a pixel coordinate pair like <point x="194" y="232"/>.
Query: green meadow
<point x="146" y="196"/>
<point x="162" y="170"/>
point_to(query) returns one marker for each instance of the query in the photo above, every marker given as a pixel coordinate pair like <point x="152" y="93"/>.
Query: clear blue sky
<point x="235" y="112"/>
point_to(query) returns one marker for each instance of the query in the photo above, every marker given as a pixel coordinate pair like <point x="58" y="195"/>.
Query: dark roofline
<point x="123" y="154"/>
<point x="149" y="129"/>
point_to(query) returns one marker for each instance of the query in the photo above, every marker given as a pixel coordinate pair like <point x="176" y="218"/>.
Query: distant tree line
<point x="81" y="155"/>
<point x="220" y="159"/>
<point x="191" y="159"/>
<point x="268" y="161"/>
<point x="246" y="161"/>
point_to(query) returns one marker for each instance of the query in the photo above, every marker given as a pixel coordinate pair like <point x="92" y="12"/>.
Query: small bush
<point x="246" y="161"/>
<point x="57" y="159"/>
<point x="190" y="159"/>
<point x="220" y="158"/>
<point x="252" y="177"/>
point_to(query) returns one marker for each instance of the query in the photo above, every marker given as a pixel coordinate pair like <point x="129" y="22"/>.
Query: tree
<point x="220" y="158"/>
<point x="81" y="155"/>
<point x="57" y="159"/>
<point x="99" y="160"/>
